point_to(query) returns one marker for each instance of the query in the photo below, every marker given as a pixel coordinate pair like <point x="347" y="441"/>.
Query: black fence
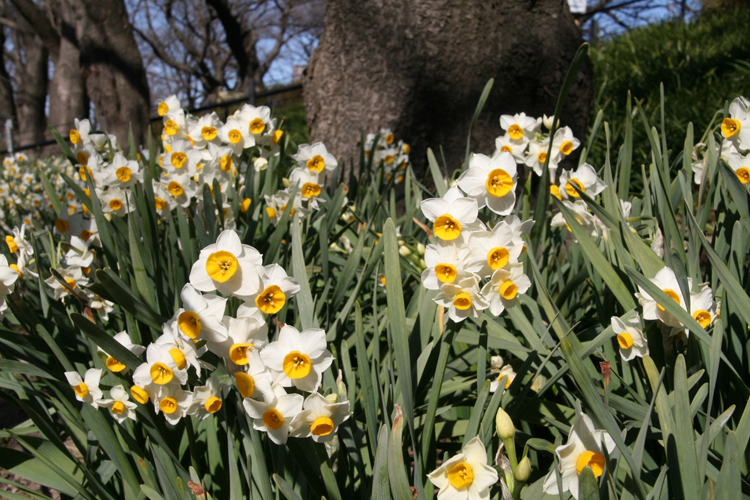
<point x="223" y="104"/>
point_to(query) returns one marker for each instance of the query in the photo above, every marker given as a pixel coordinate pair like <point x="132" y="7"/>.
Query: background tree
<point x="419" y="67"/>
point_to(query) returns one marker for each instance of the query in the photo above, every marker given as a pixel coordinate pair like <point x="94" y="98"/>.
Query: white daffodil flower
<point x="736" y="128"/>
<point x="73" y="277"/>
<point x="173" y="401"/>
<point x="630" y="337"/>
<point x="505" y="144"/>
<point x="275" y="290"/>
<point x="308" y="182"/>
<point x="451" y="214"/>
<point x="519" y="126"/>
<point x="506" y="372"/>
<point x="536" y="156"/>
<point x="243" y="335"/>
<point x="503" y="289"/>
<point x="584" y="178"/>
<point x="17" y="242"/>
<point x="465" y="476"/>
<point x="181" y="159"/>
<point x="124" y="340"/>
<point x="8" y="276"/>
<point x="462" y="298"/>
<point x="256" y="381"/>
<point x="495" y="249"/>
<point x="236" y="134"/>
<point x="315" y="158"/>
<point x="181" y="187"/>
<point x="585" y="446"/>
<point x="184" y="351"/>
<point x="200" y="317"/>
<point x="80" y="254"/>
<point x="666" y="280"/>
<point x="319" y="419"/>
<point x="207" y="399"/>
<point x="274" y="417"/>
<point x="564" y="142"/>
<point x="703" y="306"/>
<point x="741" y="165"/>
<point x="163" y="364"/>
<point x="116" y="201"/>
<point x="171" y="103"/>
<point x="228" y="266"/>
<point x="582" y="216"/>
<point x="100" y="305"/>
<point x="86" y="388"/>
<point x="205" y="131"/>
<point x="491" y="181"/>
<point x="119" y="404"/>
<point x="175" y="125"/>
<point x="298" y="358"/>
<point x="122" y="172"/>
<point x="446" y="263"/>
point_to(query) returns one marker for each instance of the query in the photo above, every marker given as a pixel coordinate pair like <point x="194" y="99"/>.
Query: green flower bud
<point x="523" y="471"/>
<point x="504" y="425"/>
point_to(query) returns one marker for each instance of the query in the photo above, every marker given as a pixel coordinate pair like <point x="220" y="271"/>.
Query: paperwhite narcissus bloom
<point x="703" y="307"/>
<point x="171" y="103"/>
<point x="275" y="290"/>
<point x="243" y="335"/>
<point x="79" y="254"/>
<point x="255" y="382"/>
<point x="319" y="419"/>
<point x="666" y="280"/>
<point x="73" y="277"/>
<point x="581" y="214"/>
<point x="584" y="178"/>
<point x="181" y="159"/>
<point x="184" y="351"/>
<point x="123" y="172"/>
<point x="116" y="201"/>
<point x="506" y="372"/>
<point x="315" y="158"/>
<point x="298" y="358"/>
<point x="227" y="266"/>
<point x="536" y="156"/>
<point x="124" y="340"/>
<point x="466" y="476"/>
<point x="503" y="289"/>
<point x="741" y="166"/>
<point x="201" y="316"/>
<point x="86" y="388"/>
<point x="492" y="181"/>
<point x="308" y="182"/>
<point x="274" y="417"/>
<point x="564" y="141"/>
<point x="505" y="144"/>
<point x="519" y="126"/>
<point x="207" y="399"/>
<point x="585" y="446"/>
<point x="163" y="365"/>
<point x="495" y="249"/>
<point x="119" y="404"/>
<point x="462" y="298"/>
<point x="630" y="337"/>
<point x="173" y="401"/>
<point x="737" y="127"/>
<point x="8" y="277"/>
<point x="445" y="264"/>
<point x="450" y="214"/>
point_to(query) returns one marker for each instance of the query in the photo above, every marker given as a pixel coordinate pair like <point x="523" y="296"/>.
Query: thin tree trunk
<point x="7" y="106"/>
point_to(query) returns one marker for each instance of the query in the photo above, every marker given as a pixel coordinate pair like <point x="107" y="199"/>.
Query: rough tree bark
<point x="31" y="86"/>
<point x="113" y="68"/>
<point x="419" y="66"/>
<point x="7" y="106"/>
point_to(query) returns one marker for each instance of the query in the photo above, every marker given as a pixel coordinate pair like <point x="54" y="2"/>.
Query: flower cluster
<point x="394" y="155"/>
<point x="735" y="148"/>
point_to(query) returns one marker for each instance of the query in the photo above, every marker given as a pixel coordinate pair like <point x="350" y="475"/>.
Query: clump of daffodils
<point x="384" y="149"/>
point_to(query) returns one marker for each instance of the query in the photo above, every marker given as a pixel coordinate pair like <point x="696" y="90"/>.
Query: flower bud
<point x="332" y="398"/>
<point x="420" y="248"/>
<point x="523" y="470"/>
<point x="260" y="164"/>
<point x="404" y="251"/>
<point x="548" y="121"/>
<point x="286" y="182"/>
<point x="496" y="362"/>
<point x="504" y="425"/>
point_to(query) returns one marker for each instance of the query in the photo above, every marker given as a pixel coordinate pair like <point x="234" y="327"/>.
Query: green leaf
<point x="305" y="307"/>
<point x="400" y="488"/>
<point x="63" y="146"/>
<point x="587" y="487"/>
<point x="143" y="283"/>
<point x="365" y="380"/>
<point x="10" y="366"/>
<point x="285" y="488"/>
<point x="472" y="427"/>
<point x="106" y="341"/>
<point x="381" y="488"/>
<point x="477" y="112"/>
<point x="437" y="176"/>
<point x="684" y="435"/>
<point x="729" y="483"/>
<point x="739" y="194"/>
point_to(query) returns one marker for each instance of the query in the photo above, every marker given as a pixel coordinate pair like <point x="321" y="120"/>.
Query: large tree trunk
<point x="7" y="106"/>
<point x="113" y="68"/>
<point x="419" y="67"/>
<point x="31" y="89"/>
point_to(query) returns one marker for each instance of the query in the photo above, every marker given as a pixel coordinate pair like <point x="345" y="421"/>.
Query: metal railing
<point x="222" y="104"/>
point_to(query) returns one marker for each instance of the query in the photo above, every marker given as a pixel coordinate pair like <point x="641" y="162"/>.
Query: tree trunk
<point x="419" y="67"/>
<point x="113" y="68"/>
<point x="31" y="90"/>
<point x="7" y="106"/>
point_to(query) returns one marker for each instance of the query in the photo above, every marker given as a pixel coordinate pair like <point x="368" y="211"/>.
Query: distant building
<point x="297" y="71"/>
<point x="577" y="6"/>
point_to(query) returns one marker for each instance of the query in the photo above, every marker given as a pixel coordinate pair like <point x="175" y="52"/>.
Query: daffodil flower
<point x="182" y="158"/>
<point x="465" y="476"/>
<point x="462" y="298"/>
<point x="298" y="358"/>
<point x="164" y="364"/>
<point x="585" y="447"/>
<point x="584" y="178"/>
<point x="188" y="353"/>
<point x="703" y="306"/>
<point x="123" y="339"/>
<point x="236" y="134"/>
<point x="505" y="144"/>
<point x="581" y="214"/>
<point x="79" y="254"/>
<point x="201" y="316"/>
<point x="122" y="172"/>
<point x="275" y="417"/>
<point x="253" y="380"/>
<point x="451" y="214"/>
<point x="736" y="127"/>
<point x="205" y="131"/>
<point x="173" y="402"/>
<point x="536" y="156"/>
<point x="119" y="404"/>
<point x="86" y="388"/>
<point x="630" y="337"/>
<point x="507" y="373"/>
<point x="495" y="249"/>
<point x="73" y="277"/>
<point x="207" y="399"/>
<point x="491" y="181"/>
<point x="519" y="126"/>
<point x="315" y="158"/>
<point x="116" y="201"/>
<point x="503" y="289"/>
<point x="171" y="103"/>
<point x="275" y="290"/>
<point x="319" y="419"/>
<point x="741" y="166"/>
<point x="227" y="266"/>
<point x="446" y="263"/>
<point x="243" y="335"/>
<point x="564" y="142"/>
<point x="666" y="280"/>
